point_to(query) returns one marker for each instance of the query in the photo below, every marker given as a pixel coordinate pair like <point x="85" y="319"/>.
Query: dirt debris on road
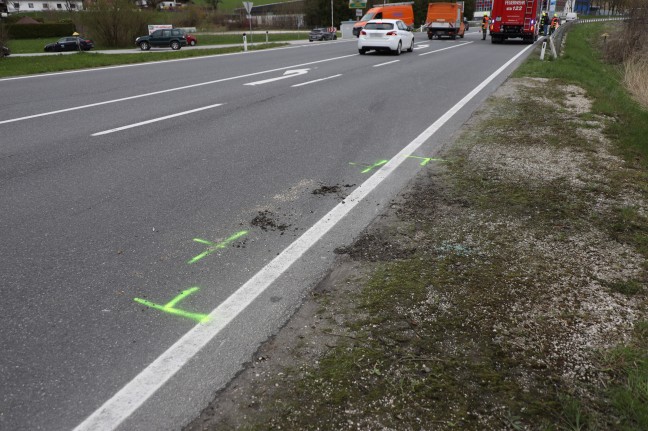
<point x="491" y="295"/>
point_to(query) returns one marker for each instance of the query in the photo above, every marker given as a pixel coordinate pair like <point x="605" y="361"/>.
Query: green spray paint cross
<point x="426" y="160"/>
<point x="369" y="168"/>
<point x="213" y="247"/>
<point x="169" y="307"/>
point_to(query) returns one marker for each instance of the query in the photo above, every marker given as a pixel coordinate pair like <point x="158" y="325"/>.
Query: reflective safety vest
<point x="485" y="23"/>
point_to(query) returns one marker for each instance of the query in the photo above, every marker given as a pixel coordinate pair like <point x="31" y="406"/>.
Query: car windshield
<point x="379" y="26"/>
<point x="318" y="30"/>
<point x="368" y="16"/>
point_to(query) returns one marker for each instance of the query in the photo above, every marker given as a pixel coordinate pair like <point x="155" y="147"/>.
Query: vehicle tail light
<point x="364" y="33"/>
<point x="392" y="33"/>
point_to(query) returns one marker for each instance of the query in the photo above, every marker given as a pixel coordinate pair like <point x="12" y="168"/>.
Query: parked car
<point x="191" y="39"/>
<point x="322" y="34"/>
<point x="386" y="35"/>
<point x="163" y="38"/>
<point x="571" y="16"/>
<point x="71" y="43"/>
<point x="4" y="51"/>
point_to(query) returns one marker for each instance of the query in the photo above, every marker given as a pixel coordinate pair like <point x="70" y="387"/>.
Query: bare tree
<point x="114" y="23"/>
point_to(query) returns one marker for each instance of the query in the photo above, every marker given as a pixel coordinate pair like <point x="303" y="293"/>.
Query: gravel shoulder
<point x="495" y="293"/>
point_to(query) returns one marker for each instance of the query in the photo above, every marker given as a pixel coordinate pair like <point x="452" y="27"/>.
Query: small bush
<point x="636" y="78"/>
<point x="3" y="37"/>
<point x="114" y="23"/>
<point x="631" y="37"/>
<point x="190" y="16"/>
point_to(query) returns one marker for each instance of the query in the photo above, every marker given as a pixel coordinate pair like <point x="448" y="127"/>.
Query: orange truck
<point x="445" y="20"/>
<point x="403" y="11"/>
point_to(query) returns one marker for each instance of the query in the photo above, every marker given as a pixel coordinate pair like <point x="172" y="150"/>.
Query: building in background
<point x="14" y="6"/>
<point x="582" y="7"/>
<point x="482" y="6"/>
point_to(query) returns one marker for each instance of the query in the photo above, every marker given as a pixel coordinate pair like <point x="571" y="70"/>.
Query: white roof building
<point x="43" y="5"/>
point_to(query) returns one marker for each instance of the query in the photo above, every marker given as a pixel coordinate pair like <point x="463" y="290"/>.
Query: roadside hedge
<point x="34" y="31"/>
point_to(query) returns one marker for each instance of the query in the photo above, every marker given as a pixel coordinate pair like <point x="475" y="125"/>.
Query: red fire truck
<point x="515" y="19"/>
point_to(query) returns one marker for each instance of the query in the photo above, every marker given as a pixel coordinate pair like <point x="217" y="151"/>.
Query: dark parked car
<point x="4" y="51"/>
<point x="72" y="43"/>
<point x="173" y="38"/>
<point x="321" y="34"/>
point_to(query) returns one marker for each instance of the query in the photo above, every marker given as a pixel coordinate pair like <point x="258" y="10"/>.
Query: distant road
<point x="140" y="200"/>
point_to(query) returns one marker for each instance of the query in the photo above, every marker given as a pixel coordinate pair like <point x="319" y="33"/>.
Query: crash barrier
<point x="557" y="39"/>
<point x="585" y="21"/>
<point x="556" y="42"/>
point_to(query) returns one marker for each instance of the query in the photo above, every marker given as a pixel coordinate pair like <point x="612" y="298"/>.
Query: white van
<point x="571" y="16"/>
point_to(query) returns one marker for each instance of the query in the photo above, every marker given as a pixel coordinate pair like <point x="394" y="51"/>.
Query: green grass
<point x="230" y="5"/>
<point x="15" y="66"/>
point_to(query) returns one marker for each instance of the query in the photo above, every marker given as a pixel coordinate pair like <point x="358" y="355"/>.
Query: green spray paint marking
<point x="214" y="247"/>
<point x="169" y="306"/>
<point x="369" y="167"/>
<point x="426" y="160"/>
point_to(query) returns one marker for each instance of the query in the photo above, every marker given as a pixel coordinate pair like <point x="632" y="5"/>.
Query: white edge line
<point x="443" y="49"/>
<point x="169" y="90"/>
<point x="155" y="120"/>
<point x="317" y="80"/>
<point x="135" y="393"/>
<point x="384" y="64"/>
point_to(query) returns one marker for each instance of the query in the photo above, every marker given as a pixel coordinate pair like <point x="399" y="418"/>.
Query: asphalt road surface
<point x="158" y="221"/>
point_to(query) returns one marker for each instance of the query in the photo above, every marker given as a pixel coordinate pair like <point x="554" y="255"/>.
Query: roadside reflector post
<point x="552" y="45"/>
<point x="244" y="42"/>
<point x="266" y="36"/>
<point x="542" y="53"/>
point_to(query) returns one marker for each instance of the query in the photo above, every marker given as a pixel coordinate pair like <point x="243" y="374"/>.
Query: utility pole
<point x="332" y="14"/>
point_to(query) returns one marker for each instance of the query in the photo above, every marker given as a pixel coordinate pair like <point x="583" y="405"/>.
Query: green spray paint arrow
<point x="169" y="307"/>
<point x="214" y="247"/>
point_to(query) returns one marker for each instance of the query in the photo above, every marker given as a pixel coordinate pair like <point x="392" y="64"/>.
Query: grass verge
<point x="16" y="66"/>
<point x="28" y="46"/>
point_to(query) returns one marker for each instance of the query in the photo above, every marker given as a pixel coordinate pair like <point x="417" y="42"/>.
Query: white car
<point x="385" y="35"/>
<point x="571" y="16"/>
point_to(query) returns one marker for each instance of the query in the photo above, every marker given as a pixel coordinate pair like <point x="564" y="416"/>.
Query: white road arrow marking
<point x="287" y="74"/>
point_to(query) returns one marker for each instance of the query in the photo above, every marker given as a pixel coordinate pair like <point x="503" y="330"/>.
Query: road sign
<point x="248" y="6"/>
<point x="358" y="12"/>
<point x="359" y="4"/>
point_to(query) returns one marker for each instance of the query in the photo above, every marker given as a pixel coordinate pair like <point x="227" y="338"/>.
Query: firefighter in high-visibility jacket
<point x="544" y="23"/>
<point x="484" y="24"/>
<point x="555" y="23"/>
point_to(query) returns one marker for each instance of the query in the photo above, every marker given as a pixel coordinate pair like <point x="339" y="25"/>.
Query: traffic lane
<point x="81" y="92"/>
<point x="30" y="138"/>
<point x="299" y="122"/>
<point x="36" y="94"/>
